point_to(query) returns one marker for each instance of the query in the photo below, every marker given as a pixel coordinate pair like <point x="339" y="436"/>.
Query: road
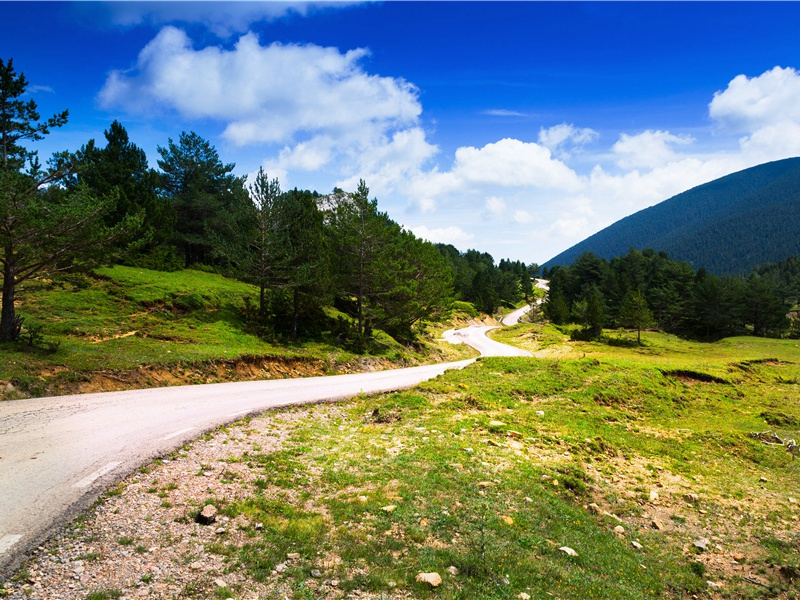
<point x="58" y="454"/>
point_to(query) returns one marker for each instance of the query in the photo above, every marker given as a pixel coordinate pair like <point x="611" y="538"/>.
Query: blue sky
<point x="516" y="128"/>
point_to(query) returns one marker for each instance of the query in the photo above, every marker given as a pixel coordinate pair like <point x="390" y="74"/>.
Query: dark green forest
<point x="303" y="250"/>
<point x="727" y="227"/>
<point x="648" y="289"/>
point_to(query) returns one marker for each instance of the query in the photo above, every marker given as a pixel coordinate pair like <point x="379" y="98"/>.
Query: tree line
<point x="304" y="251"/>
<point x="647" y="288"/>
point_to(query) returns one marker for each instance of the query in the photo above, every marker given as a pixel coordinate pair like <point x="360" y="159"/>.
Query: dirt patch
<point x="692" y="377"/>
<point x="57" y="381"/>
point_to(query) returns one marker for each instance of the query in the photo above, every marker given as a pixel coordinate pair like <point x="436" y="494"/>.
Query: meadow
<point x="593" y="470"/>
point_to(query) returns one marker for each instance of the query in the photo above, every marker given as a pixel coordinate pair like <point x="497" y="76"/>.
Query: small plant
<point x="125" y="540"/>
<point x="104" y="594"/>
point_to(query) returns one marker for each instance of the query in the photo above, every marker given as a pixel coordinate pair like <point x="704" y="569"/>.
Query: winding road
<point x="58" y="454"/>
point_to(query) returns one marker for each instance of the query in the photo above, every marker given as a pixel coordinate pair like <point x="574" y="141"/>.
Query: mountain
<point x="726" y="226"/>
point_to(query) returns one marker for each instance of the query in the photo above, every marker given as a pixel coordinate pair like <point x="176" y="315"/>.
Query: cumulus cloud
<point x="443" y="235"/>
<point x="648" y="149"/>
<point x="266" y="93"/>
<point x="522" y="216"/>
<point x="749" y="104"/>
<point x="318" y="105"/>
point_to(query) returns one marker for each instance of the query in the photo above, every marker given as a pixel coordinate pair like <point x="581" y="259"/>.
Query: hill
<point x="126" y="328"/>
<point x="726" y="226"/>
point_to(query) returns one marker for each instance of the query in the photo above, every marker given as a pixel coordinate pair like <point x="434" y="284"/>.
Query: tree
<point x="210" y="202"/>
<point x="305" y="255"/>
<point x="362" y="242"/>
<point x="635" y="314"/>
<point x="44" y="227"/>
<point x="121" y="168"/>
<point x="269" y="236"/>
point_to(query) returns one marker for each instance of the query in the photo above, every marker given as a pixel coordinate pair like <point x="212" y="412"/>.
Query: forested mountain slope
<point x="727" y="226"/>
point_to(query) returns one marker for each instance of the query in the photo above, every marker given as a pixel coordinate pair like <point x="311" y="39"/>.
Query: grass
<point x="129" y="327"/>
<point x="491" y="470"/>
<point x="484" y="475"/>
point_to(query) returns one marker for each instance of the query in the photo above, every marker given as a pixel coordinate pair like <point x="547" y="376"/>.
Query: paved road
<point x="513" y="318"/>
<point x="475" y="336"/>
<point x="58" y="454"/>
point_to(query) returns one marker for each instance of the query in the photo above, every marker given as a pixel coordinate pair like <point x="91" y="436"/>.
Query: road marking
<point x="7" y="541"/>
<point x="177" y="433"/>
<point x="90" y="479"/>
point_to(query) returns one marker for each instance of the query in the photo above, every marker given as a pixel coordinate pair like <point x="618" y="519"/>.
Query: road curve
<point x="58" y="454"/>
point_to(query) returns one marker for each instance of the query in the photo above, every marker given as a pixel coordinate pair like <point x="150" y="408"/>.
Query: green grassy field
<point x="630" y="456"/>
<point x="183" y="325"/>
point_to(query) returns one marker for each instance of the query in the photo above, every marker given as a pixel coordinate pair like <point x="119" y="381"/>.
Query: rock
<point x="505" y="581"/>
<point x="506" y="519"/>
<point x="452" y="570"/>
<point x="280" y="567"/>
<point x="259" y="526"/>
<point x="514" y="434"/>
<point x="568" y="550"/>
<point x="540" y="413"/>
<point x="713" y="585"/>
<point x="316" y="573"/>
<point x="293" y="555"/>
<point x="208" y="515"/>
<point x="656" y="524"/>
<point x="196" y="565"/>
<point x="619" y="530"/>
<point x="483" y="484"/>
<point x="594" y="509"/>
<point x="496" y="424"/>
<point x="523" y="596"/>
<point x="528" y="499"/>
<point x="390" y="508"/>
<point x="653" y="495"/>
<point x="432" y="579"/>
<point x="792" y="500"/>
<point x="636" y="545"/>
<point x="514" y="445"/>
<point x="220" y="583"/>
<point x="220" y="531"/>
<point x="334" y="583"/>
<point x="701" y="544"/>
<point x="763" y="479"/>
<point x="739" y="557"/>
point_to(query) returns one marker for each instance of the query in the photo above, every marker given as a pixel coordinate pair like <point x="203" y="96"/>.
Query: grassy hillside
<point x="727" y="226"/>
<point x="128" y="327"/>
<point x="638" y="459"/>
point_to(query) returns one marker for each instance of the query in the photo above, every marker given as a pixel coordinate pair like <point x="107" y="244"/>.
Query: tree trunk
<point x="8" y="318"/>
<point x="295" y="312"/>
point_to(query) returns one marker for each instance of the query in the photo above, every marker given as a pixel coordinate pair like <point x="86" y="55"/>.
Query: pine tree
<point x="636" y="314"/>
<point x="44" y="227"/>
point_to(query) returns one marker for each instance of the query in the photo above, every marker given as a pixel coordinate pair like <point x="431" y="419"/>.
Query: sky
<point x="515" y="128"/>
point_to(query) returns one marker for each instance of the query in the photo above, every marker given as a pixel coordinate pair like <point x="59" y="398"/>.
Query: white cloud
<point x="648" y="149"/>
<point x="443" y="235"/>
<point x="502" y="112"/>
<point x="523" y="217"/>
<point x="266" y="94"/>
<point x="512" y="163"/>
<point x="560" y="137"/>
<point x="318" y="105"/>
<point x="749" y="104"/>
<point x="496" y="207"/>
<point x="222" y="18"/>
